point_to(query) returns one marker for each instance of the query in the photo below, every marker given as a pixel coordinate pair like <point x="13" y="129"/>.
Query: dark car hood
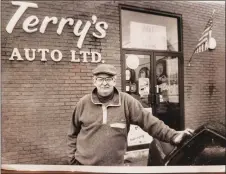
<point x="205" y="147"/>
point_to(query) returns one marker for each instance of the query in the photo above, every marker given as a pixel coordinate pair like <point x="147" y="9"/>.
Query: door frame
<point x="180" y="51"/>
<point x="152" y="77"/>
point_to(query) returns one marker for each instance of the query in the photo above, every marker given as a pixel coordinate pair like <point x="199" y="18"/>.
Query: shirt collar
<point x="116" y="101"/>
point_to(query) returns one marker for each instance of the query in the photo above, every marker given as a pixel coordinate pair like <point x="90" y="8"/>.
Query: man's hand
<point x="182" y="135"/>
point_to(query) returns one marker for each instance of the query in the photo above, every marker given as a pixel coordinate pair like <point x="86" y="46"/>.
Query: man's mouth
<point x="105" y="88"/>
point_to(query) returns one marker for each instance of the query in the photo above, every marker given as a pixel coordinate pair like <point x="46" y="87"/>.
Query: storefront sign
<point x="30" y="25"/>
<point x="56" y="55"/>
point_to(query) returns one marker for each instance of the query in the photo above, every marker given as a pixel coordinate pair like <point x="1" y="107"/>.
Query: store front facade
<point x="48" y="54"/>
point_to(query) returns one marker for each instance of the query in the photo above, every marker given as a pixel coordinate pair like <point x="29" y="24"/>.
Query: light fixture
<point x="212" y="43"/>
<point x="132" y="61"/>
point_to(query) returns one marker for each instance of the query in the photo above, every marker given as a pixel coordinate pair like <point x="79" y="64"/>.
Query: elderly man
<point x="100" y="123"/>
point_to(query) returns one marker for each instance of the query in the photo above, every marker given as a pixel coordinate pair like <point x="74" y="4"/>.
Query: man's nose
<point x="104" y="82"/>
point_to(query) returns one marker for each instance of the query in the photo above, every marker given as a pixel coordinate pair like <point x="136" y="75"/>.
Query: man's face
<point x="104" y="83"/>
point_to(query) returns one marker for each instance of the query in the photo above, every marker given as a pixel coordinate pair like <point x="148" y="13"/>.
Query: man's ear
<point x="94" y="79"/>
<point x="114" y="79"/>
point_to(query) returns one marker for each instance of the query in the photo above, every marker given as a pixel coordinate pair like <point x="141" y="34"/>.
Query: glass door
<point x="153" y="78"/>
<point x="166" y="80"/>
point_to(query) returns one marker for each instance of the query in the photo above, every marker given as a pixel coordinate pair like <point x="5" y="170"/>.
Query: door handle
<point x="157" y="95"/>
<point x="157" y="89"/>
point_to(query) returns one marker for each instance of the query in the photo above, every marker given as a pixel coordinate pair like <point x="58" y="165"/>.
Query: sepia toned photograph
<point x="113" y="87"/>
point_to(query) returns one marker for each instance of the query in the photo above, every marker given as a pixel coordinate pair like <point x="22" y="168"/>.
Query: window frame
<point x="153" y="12"/>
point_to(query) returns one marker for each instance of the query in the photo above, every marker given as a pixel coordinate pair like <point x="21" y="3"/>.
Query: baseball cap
<point x="106" y="69"/>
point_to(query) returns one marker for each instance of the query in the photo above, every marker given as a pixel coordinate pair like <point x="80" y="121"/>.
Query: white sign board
<point x="172" y="71"/>
<point x="148" y="36"/>
<point x="137" y="136"/>
<point x="143" y="86"/>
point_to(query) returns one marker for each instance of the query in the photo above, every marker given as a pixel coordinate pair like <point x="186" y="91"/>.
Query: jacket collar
<point x="116" y="101"/>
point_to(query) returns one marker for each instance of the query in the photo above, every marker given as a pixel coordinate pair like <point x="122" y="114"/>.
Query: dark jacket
<point x="98" y="133"/>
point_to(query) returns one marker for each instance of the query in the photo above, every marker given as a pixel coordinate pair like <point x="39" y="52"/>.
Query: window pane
<point x="167" y="78"/>
<point x="167" y="91"/>
<point x="148" y="31"/>
<point x="138" y="77"/>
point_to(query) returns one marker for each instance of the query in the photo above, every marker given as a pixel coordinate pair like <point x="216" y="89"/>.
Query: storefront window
<point x="148" y="31"/>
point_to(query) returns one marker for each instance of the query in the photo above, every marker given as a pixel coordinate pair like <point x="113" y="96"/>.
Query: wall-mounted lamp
<point x="212" y="43"/>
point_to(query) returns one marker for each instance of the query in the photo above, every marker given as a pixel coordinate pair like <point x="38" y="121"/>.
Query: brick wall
<point x="38" y="98"/>
<point x="204" y="84"/>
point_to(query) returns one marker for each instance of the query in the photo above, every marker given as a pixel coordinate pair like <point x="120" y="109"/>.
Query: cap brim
<point x="104" y="72"/>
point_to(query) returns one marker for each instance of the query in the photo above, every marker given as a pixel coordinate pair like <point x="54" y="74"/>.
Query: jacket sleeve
<point x="73" y="132"/>
<point x="149" y="123"/>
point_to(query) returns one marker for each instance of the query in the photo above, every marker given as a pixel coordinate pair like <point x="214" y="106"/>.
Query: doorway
<point x="153" y="78"/>
<point x="152" y="66"/>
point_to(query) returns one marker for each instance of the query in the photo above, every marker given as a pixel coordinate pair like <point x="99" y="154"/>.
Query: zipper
<point x="104" y="108"/>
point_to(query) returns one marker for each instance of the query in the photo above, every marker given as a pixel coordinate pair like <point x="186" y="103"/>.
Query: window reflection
<point x="167" y="78"/>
